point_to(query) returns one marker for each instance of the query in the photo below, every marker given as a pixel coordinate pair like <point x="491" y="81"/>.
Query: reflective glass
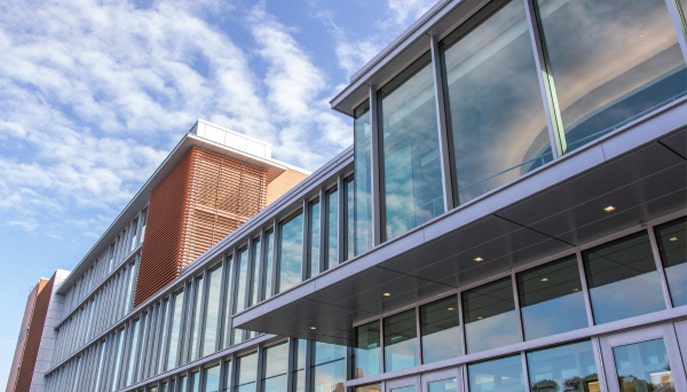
<point x="330" y="377"/>
<point x="256" y="263"/>
<point x="212" y="311"/>
<point x="227" y="377"/>
<point x="332" y="236"/>
<point x="503" y="375"/>
<point x="609" y="62"/>
<point x="194" y="351"/>
<point x="290" y="252"/>
<point x="269" y="265"/>
<point x="362" y="240"/>
<point x="411" y="167"/>
<point x="349" y="240"/>
<point x="369" y="388"/>
<point x="299" y="371"/>
<point x="544" y="291"/>
<point x="314" y="238"/>
<point x="569" y="368"/>
<point x="448" y="385"/>
<point x="276" y="360"/>
<point x="195" y="382"/>
<point x="643" y="367"/>
<point x="326" y="352"/>
<point x="277" y="384"/>
<point x="175" y="330"/>
<point x="409" y="388"/>
<point x="495" y="104"/>
<point x="622" y="279"/>
<point x="211" y="382"/>
<point x="672" y="242"/>
<point x="489" y="316"/>
<point x="400" y="341"/>
<point x="247" y="368"/>
<point x="229" y="288"/>
<point x="241" y="279"/>
<point x="440" y="328"/>
<point x="367" y="350"/>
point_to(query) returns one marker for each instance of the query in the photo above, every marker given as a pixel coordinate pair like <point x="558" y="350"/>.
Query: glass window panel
<point x="211" y="382"/>
<point x="448" y="385"/>
<point x="622" y="279"/>
<point x="277" y="360"/>
<point x="568" y="368"/>
<point x="183" y="384"/>
<point x="314" y="238"/>
<point x="440" y="328"/>
<point x="327" y="352"/>
<point x="175" y="329"/>
<point x="256" y="263"/>
<point x="626" y="63"/>
<point x="504" y="374"/>
<point x="367" y="350"/>
<point x="411" y="166"/>
<point x="544" y="291"/>
<point x="362" y="218"/>
<point x="196" y="320"/>
<point x="241" y="279"/>
<point x="489" y="316"/>
<point x="212" y="316"/>
<point x="672" y="243"/>
<point x="269" y="265"/>
<point x="330" y="377"/>
<point x="195" y="382"/>
<point x="247" y="367"/>
<point x="400" y="341"/>
<point x="229" y="288"/>
<point x="494" y="95"/>
<point x="643" y="367"/>
<point x="349" y="238"/>
<point x="277" y="384"/>
<point x="227" y="375"/>
<point x="332" y="236"/>
<point x="299" y="371"/>
<point x="290" y="252"/>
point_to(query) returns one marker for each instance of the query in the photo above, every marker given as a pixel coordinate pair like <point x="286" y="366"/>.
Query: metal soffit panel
<point x="644" y="184"/>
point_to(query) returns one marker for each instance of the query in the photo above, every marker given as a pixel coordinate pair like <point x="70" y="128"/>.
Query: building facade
<point x="511" y="217"/>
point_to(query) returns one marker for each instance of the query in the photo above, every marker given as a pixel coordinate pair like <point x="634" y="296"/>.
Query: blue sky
<point x="93" y="95"/>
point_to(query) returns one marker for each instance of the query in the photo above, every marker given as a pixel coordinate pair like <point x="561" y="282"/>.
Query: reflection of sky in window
<point x="556" y="315"/>
<point x="212" y="379"/>
<point x="672" y="243"/>
<point x="412" y="174"/>
<point x="496" y="109"/>
<point x="565" y="366"/>
<point x="277" y="359"/>
<point x="212" y="312"/>
<point x="291" y="252"/>
<point x="242" y="279"/>
<point x="604" y="76"/>
<point x="175" y="327"/>
<point x="626" y="298"/>
<point x="495" y="331"/>
<point x="248" y="366"/>
<point x="504" y="374"/>
<point x="332" y="228"/>
<point x="330" y="376"/>
<point x="363" y="182"/>
<point x="314" y="237"/>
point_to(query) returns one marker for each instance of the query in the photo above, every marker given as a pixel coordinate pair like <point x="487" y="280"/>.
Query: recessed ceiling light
<point x="576" y="289"/>
<point x="544" y="279"/>
<point x="609" y="208"/>
<point x="673" y="238"/>
<point x="480" y="317"/>
<point x="451" y="309"/>
<point x="312" y="327"/>
<point x="387" y="294"/>
<point x="478" y="259"/>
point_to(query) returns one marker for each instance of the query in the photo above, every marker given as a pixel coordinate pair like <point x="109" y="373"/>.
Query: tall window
<point x="332" y="226"/>
<point x="314" y="238"/>
<point x="175" y="329"/>
<point x="497" y="118"/>
<point x="290" y="252"/>
<point x="194" y="347"/>
<point x="400" y="341"/>
<point x="440" y="328"/>
<point x="212" y="314"/>
<point x="413" y="192"/>
<point x="247" y="373"/>
<point x="276" y="368"/>
<point x="361" y="241"/>
<point x="627" y="62"/>
<point x="367" y="350"/>
<point x="329" y="367"/>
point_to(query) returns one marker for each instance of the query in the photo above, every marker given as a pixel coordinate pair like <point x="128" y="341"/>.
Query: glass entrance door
<point x="644" y="360"/>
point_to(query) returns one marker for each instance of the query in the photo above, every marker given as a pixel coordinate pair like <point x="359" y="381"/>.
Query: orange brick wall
<point x="282" y="184"/>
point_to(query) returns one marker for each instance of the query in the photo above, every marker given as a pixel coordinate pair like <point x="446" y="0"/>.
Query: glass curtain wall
<point x="499" y="130"/>
<point x="331" y="238"/>
<point x="329" y="367"/>
<point x="400" y="341"/>
<point x="608" y="62"/>
<point x="314" y="238"/>
<point x="440" y="329"/>
<point x="362" y="131"/>
<point x="411" y="168"/>
<point x="212" y="314"/>
<point x="367" y="351"/>
<point x="276" y="368"/>
<point x="489" y="314"/>
<point x="564" y="368"/>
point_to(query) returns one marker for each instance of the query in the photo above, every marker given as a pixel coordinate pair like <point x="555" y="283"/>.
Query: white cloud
<point x="405" y="12"/>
